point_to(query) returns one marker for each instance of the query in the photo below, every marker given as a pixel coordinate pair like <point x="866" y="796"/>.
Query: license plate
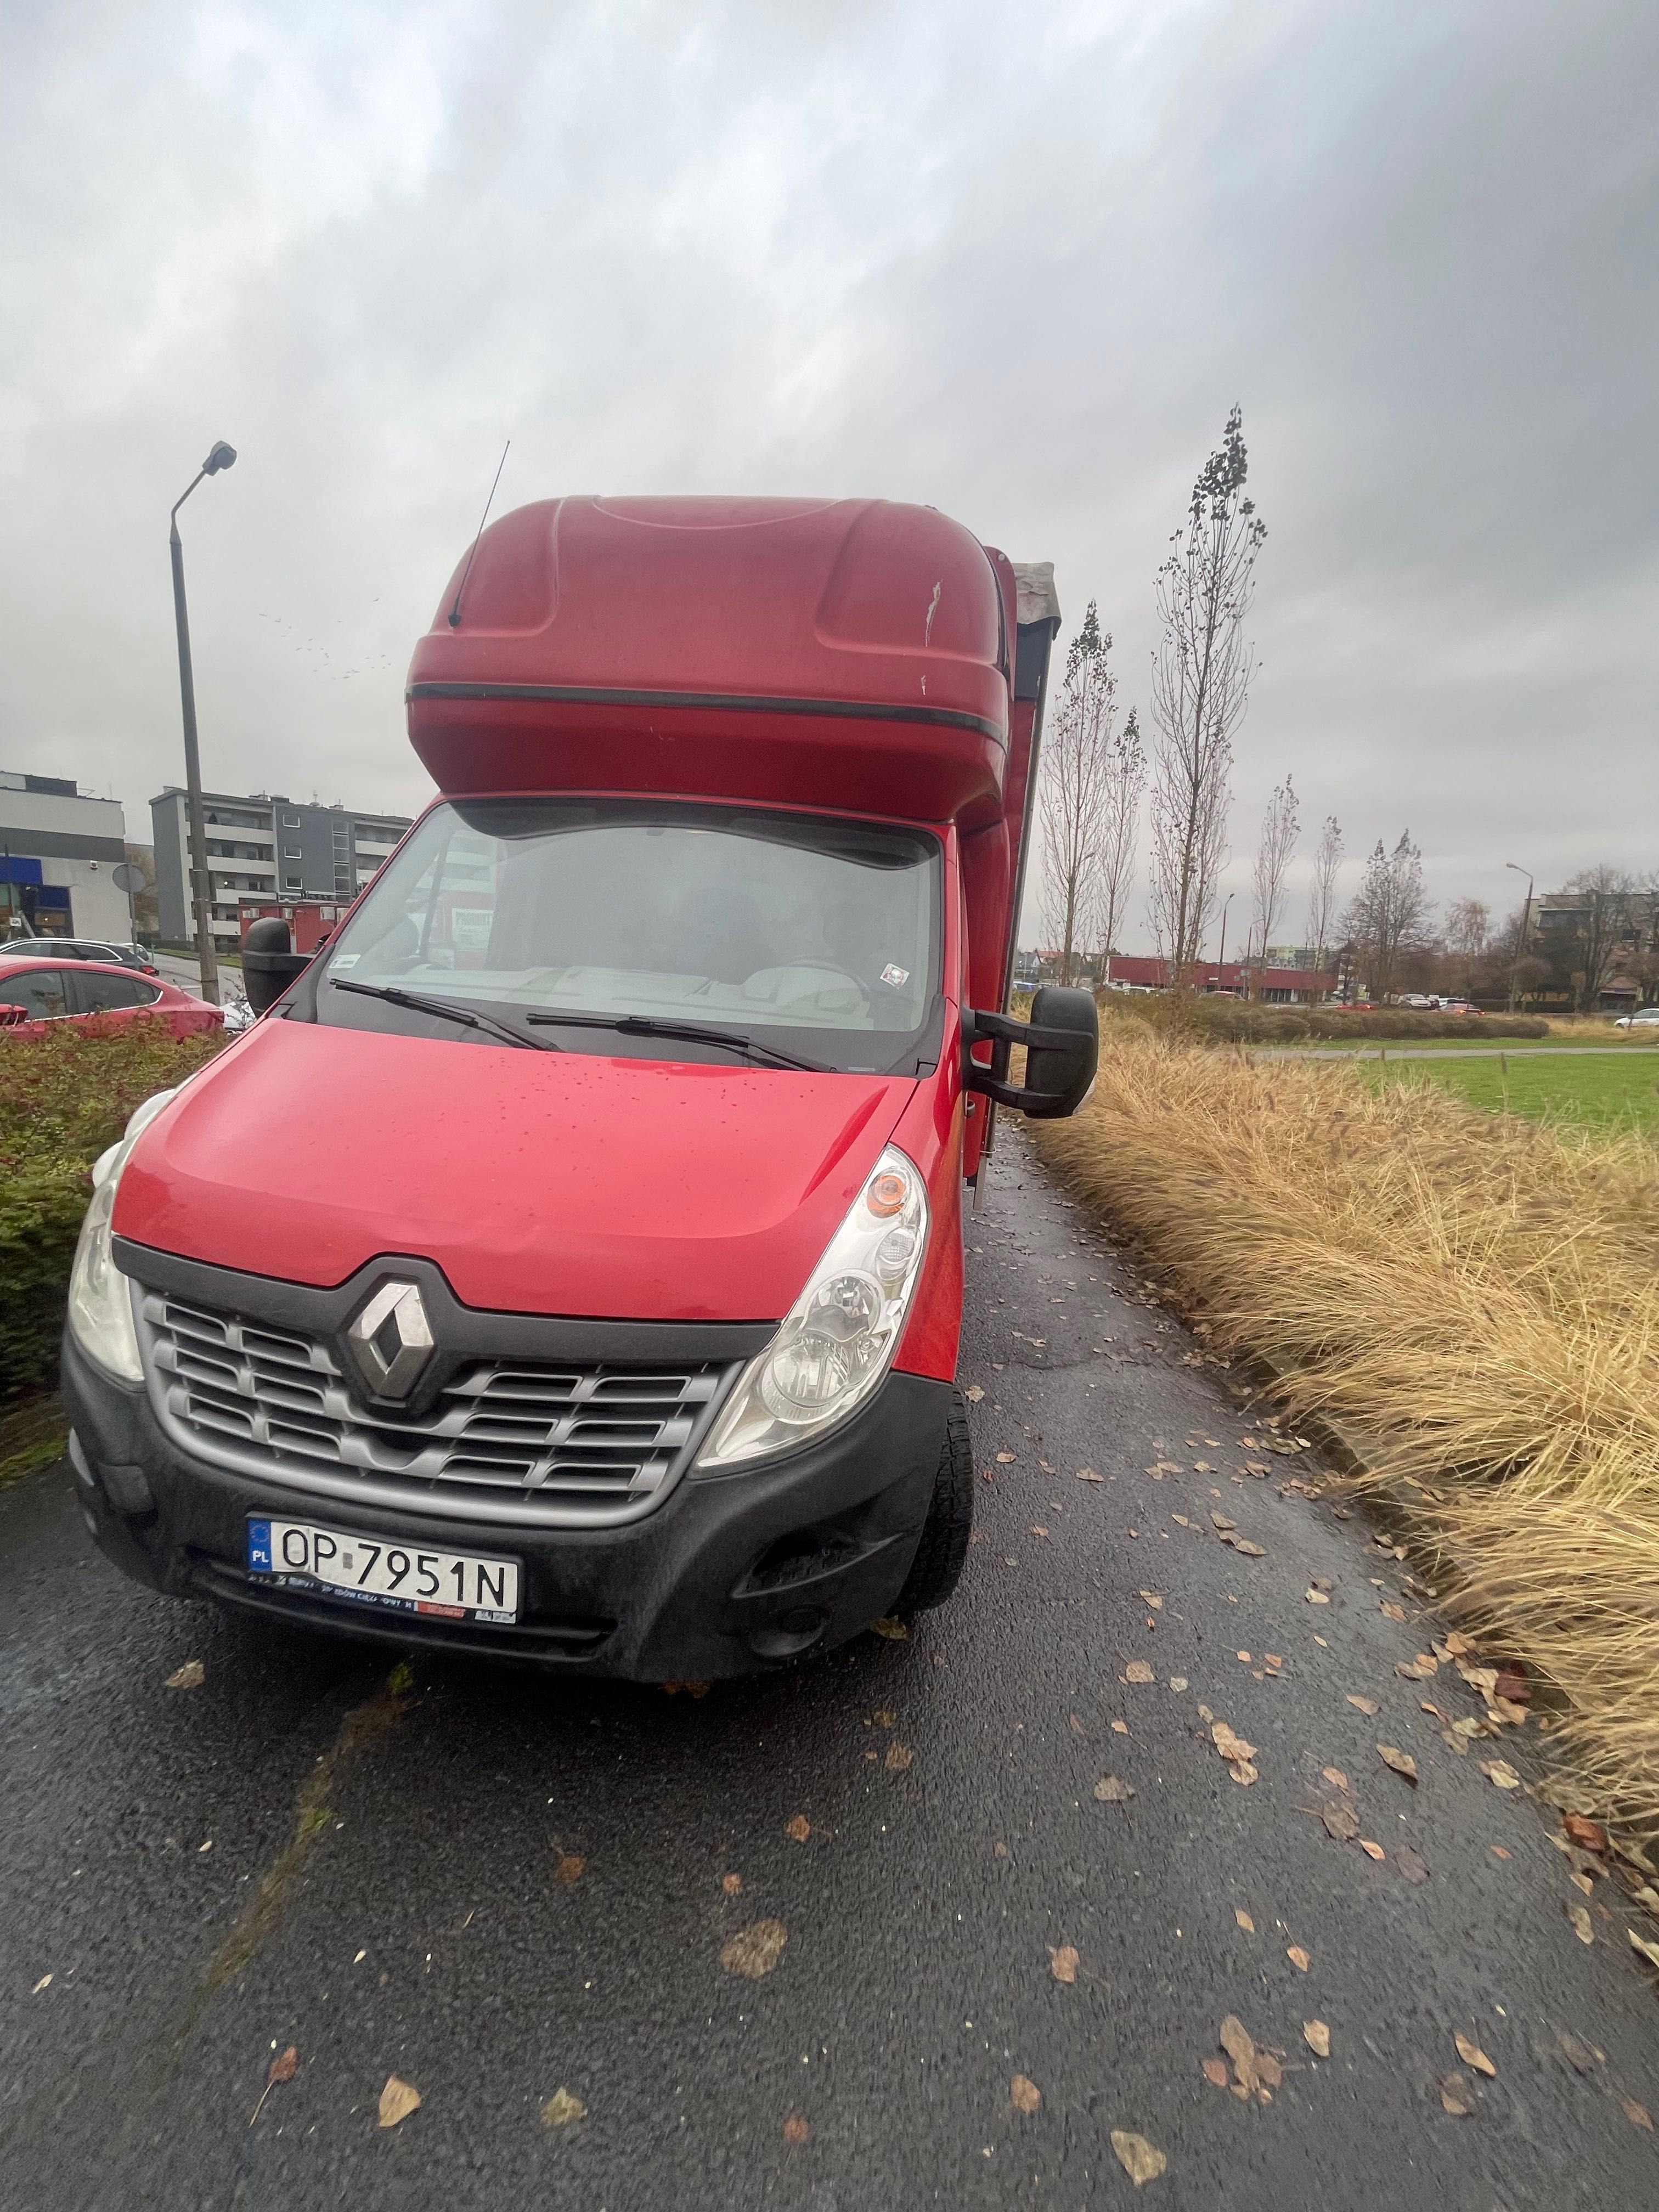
<point x="375" y="1570"/>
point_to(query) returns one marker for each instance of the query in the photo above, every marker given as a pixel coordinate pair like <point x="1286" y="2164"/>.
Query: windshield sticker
<point x="469" y="928"/>
<point x="895" y="978"/>
<point x="345" y="960"/>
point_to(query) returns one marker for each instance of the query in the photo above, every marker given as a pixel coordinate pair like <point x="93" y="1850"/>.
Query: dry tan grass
<point x="1480" y="1294"/>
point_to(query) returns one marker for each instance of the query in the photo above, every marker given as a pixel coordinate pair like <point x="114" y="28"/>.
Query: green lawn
<point x="1597" y="1040"/>
<point x="1594" y="1092"/>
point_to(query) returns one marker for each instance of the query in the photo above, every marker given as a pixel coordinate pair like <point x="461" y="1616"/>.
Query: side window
<point x="41" y="994"/>
<point x="103" y="994"/>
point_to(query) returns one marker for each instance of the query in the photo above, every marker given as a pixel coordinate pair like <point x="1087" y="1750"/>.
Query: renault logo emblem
<point x="391" y="1340"/>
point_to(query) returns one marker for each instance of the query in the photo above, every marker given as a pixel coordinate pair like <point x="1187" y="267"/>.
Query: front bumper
<point x="730" y="1574"/>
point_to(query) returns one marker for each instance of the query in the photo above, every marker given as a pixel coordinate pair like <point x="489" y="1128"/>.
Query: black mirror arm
<point x="1002" y="1032"/>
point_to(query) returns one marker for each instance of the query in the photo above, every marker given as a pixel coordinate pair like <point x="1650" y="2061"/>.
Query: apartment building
<point x="57" y="850"/>
<point x="264" y="846"/>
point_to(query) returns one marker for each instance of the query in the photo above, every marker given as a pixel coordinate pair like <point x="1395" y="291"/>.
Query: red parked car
<point x="36" y="991"/>
<point x="568" y="1265"/>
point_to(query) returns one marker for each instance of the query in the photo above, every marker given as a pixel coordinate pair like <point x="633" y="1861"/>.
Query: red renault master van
<point x="568" y="1265"/>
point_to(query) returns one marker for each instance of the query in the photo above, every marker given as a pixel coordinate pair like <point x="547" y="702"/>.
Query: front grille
<point x="514" y="1440"/>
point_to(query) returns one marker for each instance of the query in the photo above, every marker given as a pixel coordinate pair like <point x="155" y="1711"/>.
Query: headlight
<point x="840" y="1337"/>
<point x="100" y="1299"/>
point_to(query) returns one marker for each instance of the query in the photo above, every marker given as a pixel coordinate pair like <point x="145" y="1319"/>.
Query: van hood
<point x="543" y="1182"/>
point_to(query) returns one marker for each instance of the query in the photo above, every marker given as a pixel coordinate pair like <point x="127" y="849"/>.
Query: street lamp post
<point x="1521" y="941"/>
<point x="1221" y="963"/>
<point x="201" y="887"/>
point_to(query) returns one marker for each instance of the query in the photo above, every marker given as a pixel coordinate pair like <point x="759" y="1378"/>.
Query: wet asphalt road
<point x="295" y="1853"/>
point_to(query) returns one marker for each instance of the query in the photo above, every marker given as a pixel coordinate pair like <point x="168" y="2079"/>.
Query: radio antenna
<point x="455" y="611"/>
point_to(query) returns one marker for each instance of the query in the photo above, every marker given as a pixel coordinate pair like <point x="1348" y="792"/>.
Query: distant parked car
<point x="1647" y="1018"/>
<point x="79" y="948"/>
<point x="35" y="992"/>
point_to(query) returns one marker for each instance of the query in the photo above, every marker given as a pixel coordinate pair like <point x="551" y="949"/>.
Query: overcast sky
<point x="1013" y="262"/>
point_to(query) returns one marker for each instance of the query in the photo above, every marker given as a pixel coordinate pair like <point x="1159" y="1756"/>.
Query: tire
<point x="937" y="1568"/>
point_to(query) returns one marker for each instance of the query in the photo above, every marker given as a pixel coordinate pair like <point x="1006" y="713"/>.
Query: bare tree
<point x="1125" y="785"/>
<point x="1322" y="897"/>
<point x="1468" y="933"/>
<point x="1606" y="928"/>
<point x="1274" y="851"/>
<point x="1391" y="913"/>
<point x="1200" y="688"/>
<point x="1075" y="777"/>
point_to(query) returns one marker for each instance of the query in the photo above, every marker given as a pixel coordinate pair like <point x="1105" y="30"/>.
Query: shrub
<point x="1233" y="1021"/>
<point x="65" y="1096"/>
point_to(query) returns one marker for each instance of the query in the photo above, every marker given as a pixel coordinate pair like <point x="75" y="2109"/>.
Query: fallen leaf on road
<point x="1181" y="1520"/>
<point x="1456" y="2096"/>
<point x="1242" y="1771"/>
<point x="1649" y="1951"/>
<point x="799" y="1829"/>
<point x="1137" y="2156"/>
<point x="1243" y="1920"/>
<point x="893" y="1631"/>
<point x="898" y="1758"/>
<point x="1413" y="1670"/>
<point x="1025" y="2095"/>
<point x="1636" y="2114"/>
<point x="1177" y="1681"/>
<point x="1369" y="1706"/>
<point x="570" y="1869"/>
<point x="1063" y="1962"/>
<point x="1500" y="1774"/>
<point x="1411" y="1863"/>
<point x="1230" y="1745"/>
<point x="1400" y="1761"/>
<point x="560" y="2108"/>
<point x="974" y="1393"/>
<point x="1215" y="2072"/>
<point x="1119" y="1728"/>
<point x="1483" y="1679"/>
<point x="1512" y="1685"/>
<point x="796" y="2130"/>
<point x="1112" y="1791"/>
<point x="1336" y="1778"/>
<point x="1154" y="1600"/>
<point x="1393" y="1612"/>
<point x="1005" y="1459"/>
<point x="1473" y="2055"/>
<point x="1578" y="2053"/>
<point x="1220" y="1521"/>
<point x="755" y="1950"/>
<point x="1581" y="1881"/>
<point x="190" y="1676"/>
<point x="1298" y="1958"/>
<point x="1255" y="2071"/>
<point x="1581" y="1923"/>
<point x="1316" y="1597"/>
<point x="1244" y="1547"/>
<point x="1588" y="1835"/>
<point x="282" y="2067"/>
<point x="1372" y="1850"/>
<point x="1317" y="2037"/>
<point x="398" y="2100"/>
<point x="730" y="1883"/>
<point x="1341" y="1822"/>
<point x="1088" y="1474"/>
<point x="1138" y="1671"/>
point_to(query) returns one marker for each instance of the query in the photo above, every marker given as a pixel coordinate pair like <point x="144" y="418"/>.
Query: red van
<point x="568" y="1265"/>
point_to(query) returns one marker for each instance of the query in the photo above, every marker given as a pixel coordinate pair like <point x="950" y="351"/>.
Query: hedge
<point x="65" y="1096"/>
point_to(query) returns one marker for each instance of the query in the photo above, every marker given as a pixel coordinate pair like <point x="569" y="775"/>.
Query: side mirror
<point x="10" y="1016"/>
<point x="1062" y="1045"/>
<point x="270" y="963"/>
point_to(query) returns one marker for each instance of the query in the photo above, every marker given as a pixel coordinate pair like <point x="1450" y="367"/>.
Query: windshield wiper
<point x="449" y="1013"/>
<point x="696" y="1032"/>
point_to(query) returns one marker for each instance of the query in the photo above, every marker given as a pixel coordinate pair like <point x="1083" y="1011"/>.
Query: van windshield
<point x="806" y="934"/>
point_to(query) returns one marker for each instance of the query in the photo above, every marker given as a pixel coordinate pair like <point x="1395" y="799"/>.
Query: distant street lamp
<point x="1221" y="964"/>
<point x="1521" y="941"/>
<point x="222" y="457"/>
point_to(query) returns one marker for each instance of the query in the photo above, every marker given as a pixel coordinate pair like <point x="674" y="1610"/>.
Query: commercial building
<point x="57" y="852"/>
<point x="262" y="845"/>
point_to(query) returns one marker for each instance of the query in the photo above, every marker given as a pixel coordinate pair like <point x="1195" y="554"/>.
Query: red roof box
<point x="851" y="653"/>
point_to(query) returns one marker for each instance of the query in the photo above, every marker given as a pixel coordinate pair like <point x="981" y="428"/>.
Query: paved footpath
<point x="500" y="1888"/>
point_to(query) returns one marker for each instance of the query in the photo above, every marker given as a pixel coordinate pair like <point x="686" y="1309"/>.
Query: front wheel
<point x="937" y="1568"/>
